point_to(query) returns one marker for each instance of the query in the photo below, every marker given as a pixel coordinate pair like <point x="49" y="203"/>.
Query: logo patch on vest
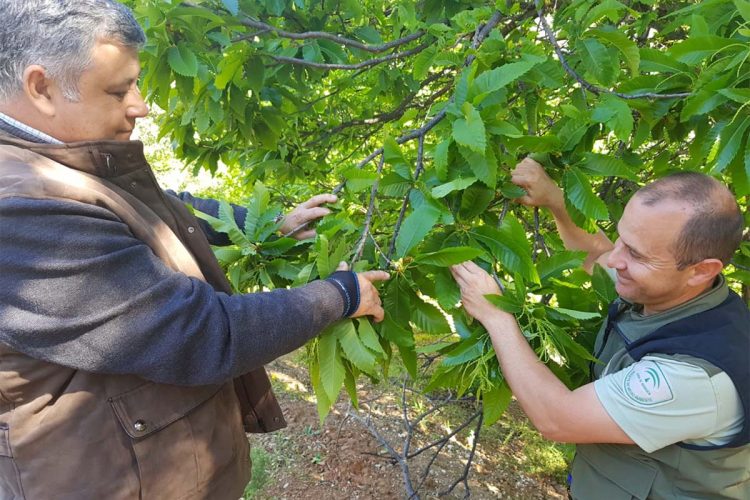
<point x="646" y="385"/>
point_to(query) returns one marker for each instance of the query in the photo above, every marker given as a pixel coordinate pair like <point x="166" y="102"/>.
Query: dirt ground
<point x="343" y="460"/>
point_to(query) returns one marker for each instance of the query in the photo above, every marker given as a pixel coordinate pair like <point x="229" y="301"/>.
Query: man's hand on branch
<point x="369" y="298"/>
<point x="474" y="283"/>
<point x="296" y="223"/>
<point x="541" y="190"/>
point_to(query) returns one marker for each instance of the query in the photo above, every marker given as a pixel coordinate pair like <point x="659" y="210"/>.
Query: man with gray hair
<point x="127" y="369"/>
<point x="667" y="413"/>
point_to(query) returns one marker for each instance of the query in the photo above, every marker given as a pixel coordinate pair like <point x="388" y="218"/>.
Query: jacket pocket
<point x="174" y="454"/>
<point x="10" y="482"/>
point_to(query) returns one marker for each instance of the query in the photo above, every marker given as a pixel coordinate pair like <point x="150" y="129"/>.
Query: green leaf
<point x="444" y="190"/>
<point x="616" y="114"/>
<point x="182" y="60"/>
<point x="448" y="256"/>
<point x="469" y="131"/>
<point x="741" y="96"/>
<point x="700" y="103"/>
<point x="323" y="263"/>
<point x="256" y="75"/>
<point x="441" y="158"/>
<point x="578" y="190"/>
<point x="446" y="290"/>
<point x="696" y="48"/>
<point x="495" y="79"/>
<point x="331" y="367"/>
<point x="607" y="166"/>
<point x="731" y="139"/>
<point x="495" y="401"/>
<point x="462" y="90"/>
<point x="423" y="61"/>
<point x="484" y="166"/>
<point x="368" y="336"/>
<point x="553" y="266"/>
<point x="392" y="152"/>
<point x="506" y="303"/>
<point x="415" y="228"/>
<point x="228" y="67"/>
<point x="256" y="209"/>
<point x="429" y="318"/>
<point x="603" y="284"/>
<point x="510" y="246"/>
<point x="582" y="315"/>
<point x="350" y="383"/>
<point x="358" y="179"/>
<point x="356" y="352"/>
<point x="743" y="6"/>
<point x="658" y="61"/>
<point x="597" y="60"/>
<point x="475" y="201"/>
<point x="232" y="6"/>
<point x="229" y="226"/>
<point x="323" y="401"/>
<point x="625" y="45"/>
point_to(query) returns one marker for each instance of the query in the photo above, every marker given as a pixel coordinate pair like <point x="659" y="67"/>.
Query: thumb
<point x="343" y="266"/>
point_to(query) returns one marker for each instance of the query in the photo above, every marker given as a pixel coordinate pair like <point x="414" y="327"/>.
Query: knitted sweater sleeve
<point x="78" y="289"/>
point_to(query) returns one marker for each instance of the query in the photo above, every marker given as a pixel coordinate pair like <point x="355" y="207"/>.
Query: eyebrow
<point x="630" y="247"/>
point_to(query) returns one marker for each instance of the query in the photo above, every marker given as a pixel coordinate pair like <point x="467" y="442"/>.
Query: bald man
<point x="666" y="414"/>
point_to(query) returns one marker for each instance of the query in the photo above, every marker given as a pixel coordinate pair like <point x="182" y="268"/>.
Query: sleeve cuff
<point x="348" y="286"/>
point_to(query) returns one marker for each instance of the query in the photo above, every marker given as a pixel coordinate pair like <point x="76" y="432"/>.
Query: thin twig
<point x="368" y="217"/>
<point x="465" y="476"/>
<point x="417" y="172"/>
<point x="322" y="35"/>
<point x="588" y="85"/>
<point x="444" y="438"/>
<point x="360" y="65"/>
<point x="367" y="423"/>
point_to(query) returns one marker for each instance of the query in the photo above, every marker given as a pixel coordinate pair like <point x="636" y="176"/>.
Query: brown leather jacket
<point x="118" y="436"/>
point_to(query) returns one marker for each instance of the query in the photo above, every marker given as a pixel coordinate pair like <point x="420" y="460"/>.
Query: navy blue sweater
<point x="79" y="290"/>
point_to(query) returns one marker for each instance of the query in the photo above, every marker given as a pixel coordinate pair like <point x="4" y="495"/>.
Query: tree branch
<point x="465" y="476"/>
<point x="368" y="217"/>
<point x="321" y="35"/>
<point x="417" y="172"/>
<point x="588" y="85"/>
<point x="360" y="65"/>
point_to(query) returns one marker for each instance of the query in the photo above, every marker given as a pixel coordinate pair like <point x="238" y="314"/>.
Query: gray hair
<point x="59" y="35"/>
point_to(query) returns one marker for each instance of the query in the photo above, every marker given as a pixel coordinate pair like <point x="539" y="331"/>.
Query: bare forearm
<point x="537" y="389"/>
<point x="574" y="238"/>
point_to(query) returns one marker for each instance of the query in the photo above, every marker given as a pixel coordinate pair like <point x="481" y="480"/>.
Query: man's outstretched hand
<point x="297" y="223"/>
<point x="474" y="283"/>
<point x="541" y="190"/>
<point x="369" y="298"/>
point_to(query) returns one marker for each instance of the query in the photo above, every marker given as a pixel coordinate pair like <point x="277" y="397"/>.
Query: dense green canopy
<point x="415" y="113"/>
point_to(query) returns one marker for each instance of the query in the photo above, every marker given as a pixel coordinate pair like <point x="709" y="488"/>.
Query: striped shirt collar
<point x="23" y="131"/>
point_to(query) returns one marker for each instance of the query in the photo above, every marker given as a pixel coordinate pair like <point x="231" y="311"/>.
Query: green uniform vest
<point x="614" y="471"/>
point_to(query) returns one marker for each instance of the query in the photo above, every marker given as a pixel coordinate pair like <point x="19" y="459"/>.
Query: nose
<point x="615" y="260"/>
<point x="137" y="107"/>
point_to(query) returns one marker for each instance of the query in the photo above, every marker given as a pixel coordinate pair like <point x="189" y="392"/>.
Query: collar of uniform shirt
<point x="23" y="131"/>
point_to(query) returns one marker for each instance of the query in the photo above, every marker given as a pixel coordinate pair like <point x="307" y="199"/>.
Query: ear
<point x="705" y="271"/>
<point x="39" y="89"/>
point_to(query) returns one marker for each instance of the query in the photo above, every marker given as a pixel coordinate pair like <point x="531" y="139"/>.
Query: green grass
<point x="262" y="462"/>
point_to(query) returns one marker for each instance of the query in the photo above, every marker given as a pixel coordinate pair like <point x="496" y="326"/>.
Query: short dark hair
<point x="713" y="230"/>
